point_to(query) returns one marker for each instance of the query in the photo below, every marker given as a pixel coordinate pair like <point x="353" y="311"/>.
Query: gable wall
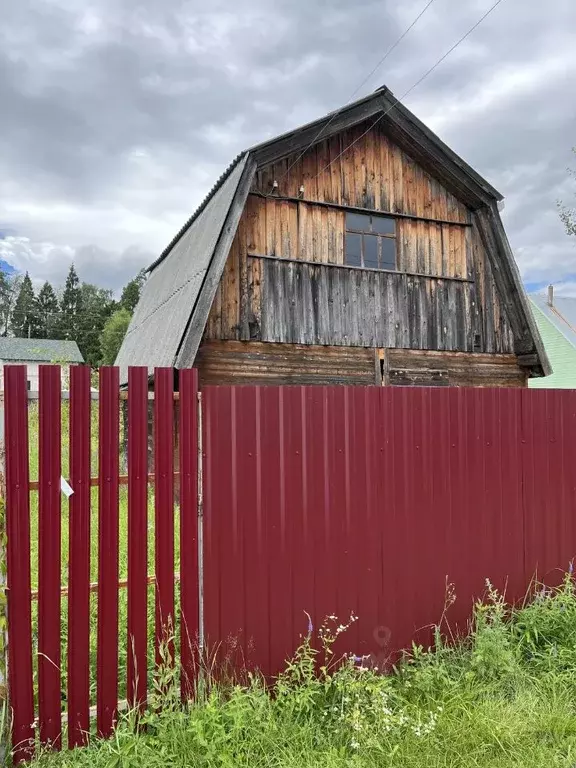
<point x="442" y="297"/>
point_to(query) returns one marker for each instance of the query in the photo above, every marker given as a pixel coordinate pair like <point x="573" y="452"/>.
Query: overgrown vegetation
<point x="503" y="698"/>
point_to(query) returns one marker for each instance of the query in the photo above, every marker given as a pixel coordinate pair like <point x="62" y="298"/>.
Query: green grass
<point x="503" y="698"/>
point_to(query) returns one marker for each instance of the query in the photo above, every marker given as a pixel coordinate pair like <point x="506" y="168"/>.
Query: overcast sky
<point x="118" y="115"/>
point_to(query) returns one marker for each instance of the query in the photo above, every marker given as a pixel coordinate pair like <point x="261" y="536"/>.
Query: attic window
<point x="370" y="241"/>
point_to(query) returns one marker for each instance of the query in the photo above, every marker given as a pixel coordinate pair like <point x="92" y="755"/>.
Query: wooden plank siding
<point x="286" y="282"/>
<point x="236" y="362"/>
<point x="374" y="174"/>
<point x="456" y="369"/>
<point x="336" y="305"/>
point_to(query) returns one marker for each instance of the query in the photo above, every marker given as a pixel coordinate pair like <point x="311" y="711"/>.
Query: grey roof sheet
<point x="172" y="289"/>
<point x="40" y="350"/>
<point x="562" y="315"/>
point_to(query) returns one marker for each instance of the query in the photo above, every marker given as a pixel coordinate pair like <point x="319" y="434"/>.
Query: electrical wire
<point x="359" y="88"/>
<point x="416" y="84"/>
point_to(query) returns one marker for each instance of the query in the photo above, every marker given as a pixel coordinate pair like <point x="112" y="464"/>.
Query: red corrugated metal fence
<point x="332" y="500"/>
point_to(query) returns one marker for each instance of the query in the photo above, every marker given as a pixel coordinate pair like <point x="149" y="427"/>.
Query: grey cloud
<point x="117" y="116"/>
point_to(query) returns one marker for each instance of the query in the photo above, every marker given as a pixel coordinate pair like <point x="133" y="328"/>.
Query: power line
<point x="359" y="88"/>
<point x="416" y="84"/>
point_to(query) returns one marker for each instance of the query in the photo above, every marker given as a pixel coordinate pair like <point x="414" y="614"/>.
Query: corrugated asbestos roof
<point x="557" y="326"/>
<point x="198" y="210"/>
<point x="40" y="350"/>
<point x="172" y="289"/>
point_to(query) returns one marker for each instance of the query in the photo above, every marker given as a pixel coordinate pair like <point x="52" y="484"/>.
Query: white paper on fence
<point x="66" y="488"/>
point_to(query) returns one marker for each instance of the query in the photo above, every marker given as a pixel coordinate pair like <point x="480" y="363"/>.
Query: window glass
<point x="383" y="225"/>
<point x="388" y="253"/>
<point x="371" y="251"/>
<point x="370" y="241"/>
<point x="353" y="249"/>
<point x="358" y="222"/>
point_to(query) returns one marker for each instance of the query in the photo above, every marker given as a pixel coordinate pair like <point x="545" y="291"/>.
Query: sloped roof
<point x="170" y="318"/>
<point x="404" y="128"/>
<point x="40" y="350"/>
<point x="562" y="314"/>
<point x="557" y="326"/>
<point x="171" y="293"/>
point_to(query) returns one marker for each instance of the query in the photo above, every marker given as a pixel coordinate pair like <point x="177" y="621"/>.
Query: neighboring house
<point x="35" y="352"/>
<point x="358" y="249"/>
<point x="556" y="320"/>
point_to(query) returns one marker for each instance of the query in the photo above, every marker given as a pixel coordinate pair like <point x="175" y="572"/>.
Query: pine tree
<point x="48" y="312"/>
<point x="25" y="312"/>
<point x="70" y="307"/>
<point x="97" y="306"/>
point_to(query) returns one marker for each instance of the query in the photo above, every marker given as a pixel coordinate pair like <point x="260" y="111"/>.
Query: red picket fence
<point x="18" y="486"/>
<point x="317" y="500"/>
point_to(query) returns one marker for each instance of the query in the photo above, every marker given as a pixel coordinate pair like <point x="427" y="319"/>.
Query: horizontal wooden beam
<point x="357" y="269"/>
<point x="354" y="209"/>
<point x="527" y="361"/>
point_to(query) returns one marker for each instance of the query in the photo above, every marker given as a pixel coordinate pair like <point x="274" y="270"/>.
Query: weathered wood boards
<point x="286" y="281"/>
<point x="338" y="305"/>
<point x="237" y="362"/>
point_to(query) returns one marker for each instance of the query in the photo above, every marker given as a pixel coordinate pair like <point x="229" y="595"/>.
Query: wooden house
<point x="357" y="249"/>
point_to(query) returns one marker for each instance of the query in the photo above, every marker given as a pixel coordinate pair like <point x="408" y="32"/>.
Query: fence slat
<point x="18" y="557"/>
<point x="49" y="556"/>
<point x="137" y="534"/>
<point x="108" y="498"/>
<point x="189" y="606"/>
<point x="164" y="502"/>
<point x="79" y="559"/>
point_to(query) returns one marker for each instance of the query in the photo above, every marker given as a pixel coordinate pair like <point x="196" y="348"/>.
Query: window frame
<point x="363" y="233"/>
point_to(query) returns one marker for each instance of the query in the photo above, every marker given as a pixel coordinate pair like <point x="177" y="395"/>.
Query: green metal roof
<point x="561" y="352"/>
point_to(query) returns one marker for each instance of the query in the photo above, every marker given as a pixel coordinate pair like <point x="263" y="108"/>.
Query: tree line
<point x="80" y="312"/>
